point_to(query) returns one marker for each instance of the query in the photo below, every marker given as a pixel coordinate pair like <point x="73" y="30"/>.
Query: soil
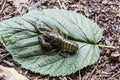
<point x="106" y="13"/>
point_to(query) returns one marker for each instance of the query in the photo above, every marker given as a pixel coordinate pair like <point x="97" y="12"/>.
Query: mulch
<point x="106" y="13"/>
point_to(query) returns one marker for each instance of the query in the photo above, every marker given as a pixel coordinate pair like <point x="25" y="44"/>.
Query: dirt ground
<point x="106" y="13"/>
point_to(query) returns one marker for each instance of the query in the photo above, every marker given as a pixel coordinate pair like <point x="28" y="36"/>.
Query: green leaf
<point x="20" y="38"/>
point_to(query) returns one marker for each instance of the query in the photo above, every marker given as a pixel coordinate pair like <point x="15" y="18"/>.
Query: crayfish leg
<point x="45" y="45"/>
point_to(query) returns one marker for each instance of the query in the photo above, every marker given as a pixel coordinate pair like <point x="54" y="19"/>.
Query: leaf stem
<point x="104" y="46"/>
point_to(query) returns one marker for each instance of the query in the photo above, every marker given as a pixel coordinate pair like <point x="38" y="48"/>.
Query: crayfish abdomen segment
<point x="69" y="46"/>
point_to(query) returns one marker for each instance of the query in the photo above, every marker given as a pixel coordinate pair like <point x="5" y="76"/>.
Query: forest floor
<point x="106" y="13"/>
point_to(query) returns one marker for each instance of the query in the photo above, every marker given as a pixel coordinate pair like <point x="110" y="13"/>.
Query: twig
<point x="8" y="63"/>
<point x="94" y="69"/>
<point x="118" y="73"/>
<point x="80" y="78"/>
<point x="3" y="6"/>
<point x="59" y="4"/>
<point x="69" y="78"/>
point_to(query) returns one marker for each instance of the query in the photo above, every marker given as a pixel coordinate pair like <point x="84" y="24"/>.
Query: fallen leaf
<point x="10" y="74"/>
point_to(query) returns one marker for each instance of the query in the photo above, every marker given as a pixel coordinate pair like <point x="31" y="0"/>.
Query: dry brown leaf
<point x="10" y="74"/>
